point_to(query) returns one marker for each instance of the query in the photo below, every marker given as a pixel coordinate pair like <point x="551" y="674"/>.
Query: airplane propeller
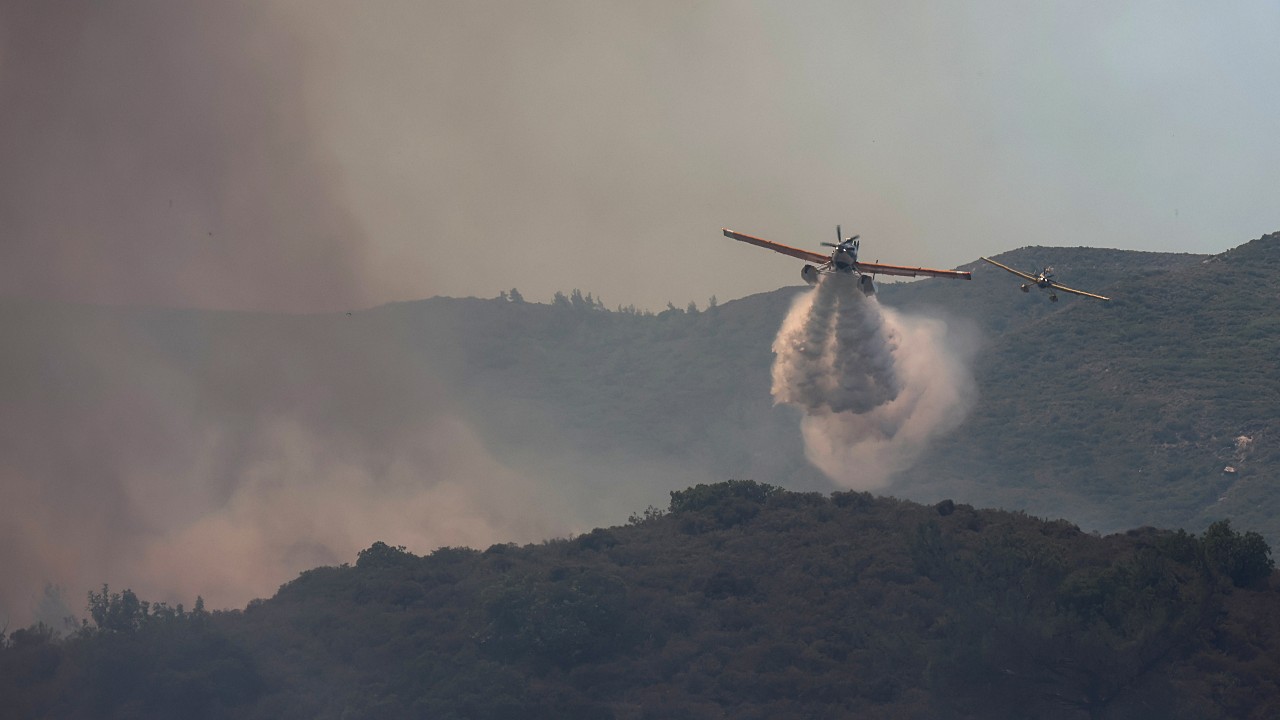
<point x="840" y="239"/>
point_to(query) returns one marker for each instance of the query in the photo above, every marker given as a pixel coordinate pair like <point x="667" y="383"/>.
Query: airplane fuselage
<point x="1043" y="282"/>
<point x="845" y="259"/>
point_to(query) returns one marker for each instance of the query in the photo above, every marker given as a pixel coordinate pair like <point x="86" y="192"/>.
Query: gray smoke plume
<point x="876" y="385"/>
<point x="217" y="455"/>
<point x="160" y="153"/>
<point x="164" y="153"/>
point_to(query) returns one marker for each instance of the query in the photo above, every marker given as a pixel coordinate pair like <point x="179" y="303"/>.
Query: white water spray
<point x="876" y="385"/>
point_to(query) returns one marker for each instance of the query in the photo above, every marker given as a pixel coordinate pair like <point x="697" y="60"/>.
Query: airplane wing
<point x="1015" y="272"/>
<point x="813" y="257"/>
<point x="878" y="269"/>
<point x="1073" y="291"/>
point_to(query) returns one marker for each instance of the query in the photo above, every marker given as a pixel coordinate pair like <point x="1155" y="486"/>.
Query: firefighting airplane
<point x="844" y="259"/>
<point x="1044" y="280"/>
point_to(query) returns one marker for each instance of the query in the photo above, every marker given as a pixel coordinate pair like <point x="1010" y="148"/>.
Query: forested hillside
<point x="1159" y="407"/>
<point x="741" y="600"/>
<point x="1111" y="414"/>
<point x="138" y="436"/>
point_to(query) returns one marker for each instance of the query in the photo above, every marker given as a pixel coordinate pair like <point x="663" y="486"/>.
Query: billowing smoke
<point x="217" y="455"/>
<point x="876" y="385"/>
<point x="162" y="154"/>
<point x="165" y="153"/>
<point x="302" y="501"/>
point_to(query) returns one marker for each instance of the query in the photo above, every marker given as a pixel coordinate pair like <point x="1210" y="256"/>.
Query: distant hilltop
<point x="739" y="599"/>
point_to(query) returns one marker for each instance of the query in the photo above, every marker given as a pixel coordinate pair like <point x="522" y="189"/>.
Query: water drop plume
<point x="876" y="385"/>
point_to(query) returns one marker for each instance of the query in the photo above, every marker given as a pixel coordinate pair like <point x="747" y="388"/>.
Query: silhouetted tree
<point x="1246" y="559"/>
<point x="381" y="554"/>
<point x="118" y="612"/>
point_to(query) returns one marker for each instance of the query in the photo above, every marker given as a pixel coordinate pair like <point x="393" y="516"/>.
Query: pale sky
<point x="603" y="145"/>
<point x="400" y="149"/>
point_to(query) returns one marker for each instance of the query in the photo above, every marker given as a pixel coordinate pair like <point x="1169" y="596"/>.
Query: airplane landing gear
<point x="866" y="285"/>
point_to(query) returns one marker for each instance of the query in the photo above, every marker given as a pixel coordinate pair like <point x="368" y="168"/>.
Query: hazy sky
<point x="318" y="154"/>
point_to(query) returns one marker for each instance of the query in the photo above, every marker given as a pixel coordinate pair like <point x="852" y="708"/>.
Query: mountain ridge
<point x="739" y="600"/>
<point x="149" y="427"/>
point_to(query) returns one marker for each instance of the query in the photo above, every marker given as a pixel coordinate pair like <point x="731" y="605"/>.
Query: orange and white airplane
<point x="844" y="259"/>
<point x="1044" y="280"/>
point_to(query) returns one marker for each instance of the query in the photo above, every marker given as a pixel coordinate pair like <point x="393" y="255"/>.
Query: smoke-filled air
<point x="875" y="385"/>
<point x="164" y="154"/>
<point x="199" y="201"/>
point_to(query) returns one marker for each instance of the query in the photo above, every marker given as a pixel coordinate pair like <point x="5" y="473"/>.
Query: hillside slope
<point x="1112" y="414"/>
<point x="1126" y="413"/>
<point x="693" y="387"/>
<point x="742" y="601"/>
<point x="992" y="299"/>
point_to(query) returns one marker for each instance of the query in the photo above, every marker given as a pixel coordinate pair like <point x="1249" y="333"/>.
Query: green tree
<point x="117" y="612"/>
<point x="568" y="619"/>
<point x="381" y="554"/>
<point x="1246" y="559"/>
